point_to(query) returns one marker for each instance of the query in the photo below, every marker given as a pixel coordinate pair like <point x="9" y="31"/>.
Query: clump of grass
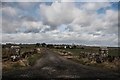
<point x="16" y="65"/>
<point x="33" y="58"/>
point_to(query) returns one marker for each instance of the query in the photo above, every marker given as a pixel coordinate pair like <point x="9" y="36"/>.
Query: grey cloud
<point x="9" y="26"/>
<point x="56" y="14"/>
<point x="32" y="31"/>
<point x="82" y="26"/>
<point x="27" y="18"/>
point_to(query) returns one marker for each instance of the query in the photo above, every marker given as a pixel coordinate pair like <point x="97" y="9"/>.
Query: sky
<point x="84" y="23"/>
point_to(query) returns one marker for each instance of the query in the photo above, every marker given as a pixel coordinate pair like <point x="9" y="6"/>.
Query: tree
<point x="37" y="44"/>
<point x="43" y="44"/>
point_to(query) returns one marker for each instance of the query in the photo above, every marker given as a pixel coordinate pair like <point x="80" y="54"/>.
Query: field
<point x="30" y="60"/>
<point x="23" y="62"/>
<point x="48" y="62"/>
<point x="106" y="64"/>
<point x="111" y="51"/>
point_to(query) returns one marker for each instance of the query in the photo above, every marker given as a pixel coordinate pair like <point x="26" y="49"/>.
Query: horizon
<point x="58" y="44"/>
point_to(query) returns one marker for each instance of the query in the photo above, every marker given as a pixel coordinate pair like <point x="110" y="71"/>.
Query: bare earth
<point x="52" y="65"/>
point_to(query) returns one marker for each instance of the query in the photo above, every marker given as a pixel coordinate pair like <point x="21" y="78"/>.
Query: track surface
<point x="51" y="65"/>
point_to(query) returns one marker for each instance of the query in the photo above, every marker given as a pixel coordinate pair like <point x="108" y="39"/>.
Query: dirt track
<point x="52" y="65"/>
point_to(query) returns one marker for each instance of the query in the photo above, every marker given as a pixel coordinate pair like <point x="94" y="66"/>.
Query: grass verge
<point x="33" y="58"/>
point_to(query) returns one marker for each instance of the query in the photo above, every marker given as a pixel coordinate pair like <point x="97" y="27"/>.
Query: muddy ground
<point x="52" y="65"/>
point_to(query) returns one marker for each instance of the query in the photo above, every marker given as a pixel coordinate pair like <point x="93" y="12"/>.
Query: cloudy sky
<point x="85" y="23"/>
